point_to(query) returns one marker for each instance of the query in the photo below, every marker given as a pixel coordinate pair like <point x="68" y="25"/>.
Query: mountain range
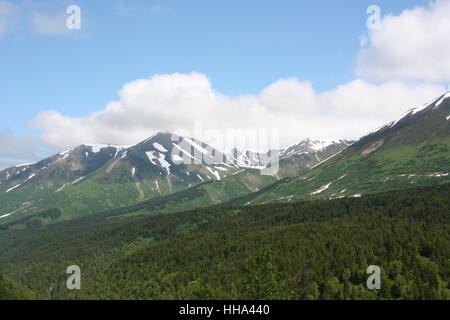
<point x="150" y="177"/>
<point x="93" y="178"/>
<point x="228" y="232"/>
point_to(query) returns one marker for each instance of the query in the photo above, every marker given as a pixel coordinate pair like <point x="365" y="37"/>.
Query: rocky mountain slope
<point x="412" y="151"/>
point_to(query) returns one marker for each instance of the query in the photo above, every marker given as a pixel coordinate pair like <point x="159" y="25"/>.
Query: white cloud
<point x="49" y="24"/>
<point x="411" y="46"/>
<point x="15" y="149"/>
<point x="8" y="15"/>
<point x="40" y="18"/>
<point x="177" y="101"/>
<point x="414" y="45"/>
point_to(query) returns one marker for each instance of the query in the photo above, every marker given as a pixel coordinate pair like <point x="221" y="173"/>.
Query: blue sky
<point x="241" y="46"/>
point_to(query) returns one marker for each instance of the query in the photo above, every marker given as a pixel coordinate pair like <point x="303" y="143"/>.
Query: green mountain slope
<point x="90" y="179"/>
<point x="414" y="151"/>
<point x="128" y="176"/>
<point x="310" y="250"/>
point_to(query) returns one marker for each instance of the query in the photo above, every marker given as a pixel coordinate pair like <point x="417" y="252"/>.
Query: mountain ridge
<point x="412" y="150"/>
<point x="95" y="177"/>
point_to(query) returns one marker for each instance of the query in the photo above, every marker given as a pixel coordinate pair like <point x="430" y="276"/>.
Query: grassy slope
<point x="413" y="152"/>
<point x="391" y="169"/>
<point x="202" y="195"/>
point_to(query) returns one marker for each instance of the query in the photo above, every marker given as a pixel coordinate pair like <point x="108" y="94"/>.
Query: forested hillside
<point x="12" y="291"/>
<point x="310" y="250"/>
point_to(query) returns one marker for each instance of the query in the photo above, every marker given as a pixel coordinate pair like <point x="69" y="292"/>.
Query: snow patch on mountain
<point x="161" y="158"/>
<point x="159" y="147"/>
<point x="65" y="152"/>
<point x="445" y="96"/>
<point x="221" y="169"/>
<point x="24" y="165"/>
<point x="11" y="189"/>
<point x="61" y="188"/>
<point x="321" y="189"/>
<point x="246" y="159"/>
<point x="358" y="195"/>
<point x="320" y="145"/>
<point x="7" y="215"/>
<point x="96" y="148"/>
<point x="215" y="173"/>
<point x="77" y="180"/>
<point x="176" y="158"/>
<point x="151" y="157"/>
<point x="310" y="146"/>
<point x="164" y="163"/>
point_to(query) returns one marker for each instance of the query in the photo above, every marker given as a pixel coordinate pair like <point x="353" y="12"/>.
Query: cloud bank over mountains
<point x="16" y="149"/>
<point x="293" y="107"/>
<point x="404" y="63"/>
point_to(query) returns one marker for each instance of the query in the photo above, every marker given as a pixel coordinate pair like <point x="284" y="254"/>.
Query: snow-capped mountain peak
<point x="434" y="104"/>
<point x="309" y="145"/>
